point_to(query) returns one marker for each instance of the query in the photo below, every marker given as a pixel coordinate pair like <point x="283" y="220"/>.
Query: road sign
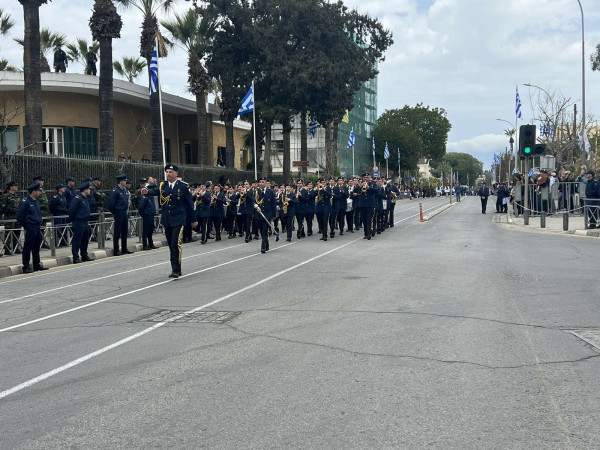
<point x="375" y="171"/>
<point x="300" y="163"/>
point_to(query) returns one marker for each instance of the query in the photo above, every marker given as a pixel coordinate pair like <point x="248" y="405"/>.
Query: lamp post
<point x="584" y="154"/>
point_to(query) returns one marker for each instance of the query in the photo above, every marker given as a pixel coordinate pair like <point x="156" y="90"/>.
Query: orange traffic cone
<point x="421" y="212"/>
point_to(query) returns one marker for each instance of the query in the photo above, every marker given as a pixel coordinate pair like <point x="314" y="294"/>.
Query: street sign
<point x="300" y="163"/>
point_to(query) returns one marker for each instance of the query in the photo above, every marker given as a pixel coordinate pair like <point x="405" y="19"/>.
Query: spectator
<point x="91" y="60"/>
<point x="592" y="193"/>
<point x="60" y="60"/>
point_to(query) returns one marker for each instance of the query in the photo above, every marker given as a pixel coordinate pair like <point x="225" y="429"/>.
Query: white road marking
<point x="89" y="356"/>
<point x="113" y="275"/>
<point x="87" y="305"/>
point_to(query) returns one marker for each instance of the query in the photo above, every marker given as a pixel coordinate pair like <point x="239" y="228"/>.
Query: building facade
<point x="71" y="121"/>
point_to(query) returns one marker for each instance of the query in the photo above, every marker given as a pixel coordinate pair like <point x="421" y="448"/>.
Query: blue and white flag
<point x="373" y="148"/>
<point x="351" y="139"/>
<point x="531" y="172"/>
<point x="398" y="159"/>
<point x="514" y="171"/>
<point x="496" y="160"/>
<point x="313" y="127"/>
<point x="386" y="152"/>
<point x="518" y="105"/>
<point x="153" y="69"/>
<point x="247" y="102"/>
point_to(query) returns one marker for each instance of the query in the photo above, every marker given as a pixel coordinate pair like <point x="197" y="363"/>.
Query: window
<point x="9" y="140"/>
<point x="54" y="143"/>
<point x="168" y="149"/>
<point x="221" y="156"/>
<point x="187" y="151"/>
<point x="86" y="141"/>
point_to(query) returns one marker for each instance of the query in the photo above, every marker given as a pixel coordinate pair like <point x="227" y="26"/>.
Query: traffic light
<point x="539" y="150"/>
<point x="527" y="135"/>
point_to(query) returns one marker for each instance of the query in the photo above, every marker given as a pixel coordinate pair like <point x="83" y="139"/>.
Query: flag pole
<point x="162" y="127"/>
<point x="387" y="169"/>
<point x="254" y="128"/>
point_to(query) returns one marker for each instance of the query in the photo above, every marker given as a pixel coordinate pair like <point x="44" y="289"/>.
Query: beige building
<point x="70" y="120"/>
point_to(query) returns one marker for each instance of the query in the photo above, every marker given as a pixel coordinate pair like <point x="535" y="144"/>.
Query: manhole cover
<point x="592" y="337"/>
<point x="190" y="317"/>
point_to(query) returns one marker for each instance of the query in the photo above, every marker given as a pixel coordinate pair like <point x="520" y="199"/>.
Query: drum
<point x="349" y="204"/>
<point x="385" y="205"/>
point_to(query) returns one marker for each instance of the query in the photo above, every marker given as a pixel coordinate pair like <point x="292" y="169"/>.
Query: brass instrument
<point x="394" y="197"/>
<point x="285" y="201"/>
<point x="243" y="197"/>
<point x="319" y="196"/>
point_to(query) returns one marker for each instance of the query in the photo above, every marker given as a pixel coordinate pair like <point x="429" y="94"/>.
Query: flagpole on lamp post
<point x="162" y="127"/>
<point x="583" y="126"/>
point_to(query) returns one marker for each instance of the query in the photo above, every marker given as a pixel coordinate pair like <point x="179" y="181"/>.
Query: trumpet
<point x="285" y="200"/>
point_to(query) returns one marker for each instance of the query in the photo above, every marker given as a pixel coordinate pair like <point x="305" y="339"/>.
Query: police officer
<point x="147" y="210"/>
<point x="176" y="204"/>
<point x="118" y="204"/>
<point x="91" y="199"/>
<point x="58" y="207"/>
<point x="43" y="198"/>
<point x="30" y="218"/>
<point x="264" y="206"/>
<point x="69" y="190"/>
<point x="79" y="213"/>
<point x="60" y="60"/>
<point x="91" y="60"/>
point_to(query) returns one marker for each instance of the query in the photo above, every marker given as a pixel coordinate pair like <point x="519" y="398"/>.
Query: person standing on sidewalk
<point x="484" y="193"/>
<point x="79" y="213"/>
<point x="592" y="194"/>
<point x="147" y="211"/>
<point x="30" y="218"/>
<point x="118" y="204"/>
<point x="457" y="190"/>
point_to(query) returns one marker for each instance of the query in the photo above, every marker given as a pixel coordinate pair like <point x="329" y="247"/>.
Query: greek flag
<point x="496" y="160"/>
<point x="153" y="69"/>
<point x="531" y="172"/>
<point x="386" y="152"/>
<point x="351" y="139"/>
<point x="518" y="105"/>
<point x="584" y="143"/>
<point x="247" y="102"/>
<point x="373" y="148"/>
<point x="313" y="127"/>
<point x="514" y="171"/>
<point x="398" y="159"/>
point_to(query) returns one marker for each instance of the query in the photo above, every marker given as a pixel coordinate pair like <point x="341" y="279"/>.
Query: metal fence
<point x="56" y="234"/>
<point x="560" y="197"/>
<point x="23" y="167"/>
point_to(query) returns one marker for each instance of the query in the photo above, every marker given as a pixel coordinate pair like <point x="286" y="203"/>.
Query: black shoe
<point x="391" y="225"/>
<point x="365" y="237"/>
<point x="86" y="259"/>
<point x="369" y="238"/>
<point x="288" y="240"/>
<point x="592" y="226"/>
<point x="332" y="235"/>
<point x="218" y="238"/>
<point x="77" y="261"/>
<point x="263" y="250"/>
<point x="174" y="275"/>
<point x="309" y="233"/>
<point x="116" y="253"/>
<point x="145" y="247"/>
<point x="379" y="232"/>
<point x="39" y="267"/>
<point x="246" y="240"/>
<point x="153" y="247"/>
<point x="127" y="252"/>
<point x="256" y="237"/>
<point x="27" y="269"/>
<point x="341" y="233"/>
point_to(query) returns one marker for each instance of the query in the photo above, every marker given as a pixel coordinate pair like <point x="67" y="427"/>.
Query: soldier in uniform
<point x="79" y="213"/>
<point x="58" y="207"/>
<point x="147" y="210"/>
<point x="9" y="205"/>
<point x="302" y="197"/>
<point x="99" y="197"/>
<point x="288" y="203"/>
<point x="264" y="205"/>
<point x="310" y="208"/>
<point x="323" y="207"/>
<point x="336" y="196"/>
<point x="118" y="204"/>
<point x="233" y="199"/>
<point x="43" y="198"/>
<point x="379" y="207"/>
<point x="247" y="210"/>
<point x="366" y="204"/>
<point x="30" y="218"/>
<point x="203" y="199"/>
<point x="176" y="204"/>
<point x="342" y="204"/>
<point x="353" y="199"/>
<point x="392" y="196"/>
<point x="69" y="190"/>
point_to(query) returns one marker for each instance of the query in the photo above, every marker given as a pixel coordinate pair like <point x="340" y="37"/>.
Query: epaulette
<point x="183" y="182"/>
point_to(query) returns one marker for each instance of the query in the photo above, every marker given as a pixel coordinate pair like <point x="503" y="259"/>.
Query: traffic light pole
<point x="526" y="199"/>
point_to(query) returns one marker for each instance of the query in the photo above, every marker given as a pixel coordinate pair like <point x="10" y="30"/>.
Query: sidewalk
<point x="554" y="224"/>
<point x="12" y="265"/>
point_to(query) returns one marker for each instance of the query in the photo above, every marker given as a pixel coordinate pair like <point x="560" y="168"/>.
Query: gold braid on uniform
<point x="162" y="199"/>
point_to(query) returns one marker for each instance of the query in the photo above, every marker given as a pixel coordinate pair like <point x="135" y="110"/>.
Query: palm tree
<point x="6" y="23"/>
<point x="106" y="25"/>
<point x="32" y="132"/>
<point x="5" y="66"/>
<point x="193" y="32"/>
<point x="150" y="33"/>
<point x="48" y="42"/>
<point x="129" y="68"/>
<point x="78" y="51"/>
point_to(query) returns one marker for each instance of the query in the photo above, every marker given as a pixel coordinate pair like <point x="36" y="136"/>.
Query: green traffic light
<point x="527" y="150"/>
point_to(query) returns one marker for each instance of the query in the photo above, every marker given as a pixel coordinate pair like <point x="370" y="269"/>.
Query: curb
<point x="437" y="211"/>
<point x="588" y="233"/>
<point x="100" y="253"/>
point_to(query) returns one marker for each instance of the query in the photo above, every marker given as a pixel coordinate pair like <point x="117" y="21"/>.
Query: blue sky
<point x="465" y="56"/>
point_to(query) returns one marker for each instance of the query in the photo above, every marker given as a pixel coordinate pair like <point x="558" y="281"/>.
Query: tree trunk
<point x="286" y="154"/>
<point x="105" y="100"/>
<point x="328" y="150"/>
<point x="32" y="132"/>
<point x="230" y="145"/>
<point x="303" y="141"/>
<point x="267" y="158"/>
<point x="202" y="128"/>
<point x="336" y="148"/>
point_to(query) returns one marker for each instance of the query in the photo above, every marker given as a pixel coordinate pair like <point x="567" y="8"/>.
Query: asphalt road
<point x="451" y="333"/>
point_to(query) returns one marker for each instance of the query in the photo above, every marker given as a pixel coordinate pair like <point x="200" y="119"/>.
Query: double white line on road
<point x="117" y="344"/>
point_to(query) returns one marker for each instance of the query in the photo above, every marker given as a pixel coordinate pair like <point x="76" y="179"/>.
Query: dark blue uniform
<point x="79" y="213"/>
<point x="69" y="195"/>
<point x="217" y="213"/>
<point x="147" y="210"/>
<point x="310" y="211"/>
<point x="176" y="205"/>
<point x="366" y="205"/>
<point x="323" y="209"/>
<point x="265" y="200"/>
<point x="287" y="213"/>
<point x="58" y="207"/>
<point x="592" y="194"/>
<point x="232" y="213"/>
<point x="303" y="198"/>
<point x="203" y="214"/>
<point x="379" y="209"/>
<point x="30" y="218"/>
<point x="246" y="213"/>
<point x="336" y="197"/>
<point x="118" y="204"/>
<point x="392" y="195"/>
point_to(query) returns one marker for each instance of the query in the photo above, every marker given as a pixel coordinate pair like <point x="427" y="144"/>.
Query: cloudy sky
<point x="466" y="56"/>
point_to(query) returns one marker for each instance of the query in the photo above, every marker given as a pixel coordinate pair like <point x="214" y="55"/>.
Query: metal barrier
<point x="591" y="214"/>
<point x="561" y="197"/>
<point x="57" y="232"/>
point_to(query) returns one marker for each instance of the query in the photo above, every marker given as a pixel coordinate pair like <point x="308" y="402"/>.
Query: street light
<point x="537" y="87"/>
<point x="584" y="154"/>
